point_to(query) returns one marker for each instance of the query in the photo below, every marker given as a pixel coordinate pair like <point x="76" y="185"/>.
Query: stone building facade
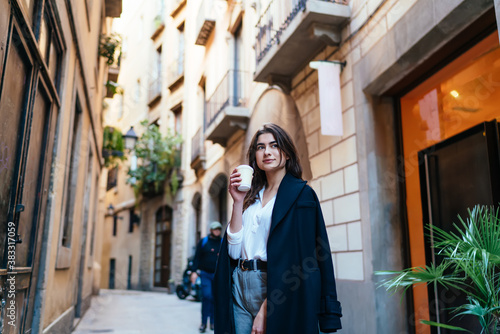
<point x="365" y="179"/>
<point x="145" y="254"/>
<point x="229" y="66"/>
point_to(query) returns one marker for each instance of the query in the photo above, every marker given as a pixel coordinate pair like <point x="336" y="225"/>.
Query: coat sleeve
<point x="223" y="311"/>
<point x="330" y="309"/>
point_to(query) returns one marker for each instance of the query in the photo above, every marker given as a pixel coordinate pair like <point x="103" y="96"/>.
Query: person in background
<point x="205" y="260"/>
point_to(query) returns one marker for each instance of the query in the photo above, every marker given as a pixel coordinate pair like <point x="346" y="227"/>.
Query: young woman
<point x="274" y="273"/>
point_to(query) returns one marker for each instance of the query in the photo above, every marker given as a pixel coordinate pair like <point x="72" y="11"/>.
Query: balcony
<point x="113" y="8"/>
<point x="205" y="22"/>
<point x="226" y="110"/>
<point x="112" y="178"/>
<point x="176" y="73"/>
<point x="114" y="69"/>
<point x="291" y="33"/>
<point x="154" y="91"/>
<point x="198" y="152"/>
<point x="113" y="72"/>
<point x="158" y="25"/>
<point x="177" y="5"/>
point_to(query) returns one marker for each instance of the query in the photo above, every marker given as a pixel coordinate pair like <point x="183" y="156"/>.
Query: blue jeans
<point x="207" y="297"/>
<point x="249" y="292"/>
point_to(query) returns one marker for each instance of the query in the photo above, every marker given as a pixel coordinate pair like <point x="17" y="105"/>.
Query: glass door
<point x="456" y="175"/>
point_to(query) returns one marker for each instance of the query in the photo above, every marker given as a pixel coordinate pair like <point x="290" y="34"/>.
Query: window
<point x="72" y="175"/>
<point x="157" y="63"/>
<point x="49" y="45"/>
<point x="115" y="225"/>
<point x="112" y="269"/>
<point x="162" y="246"/>
<point x="112" y="178"/>
<point x="155" y="78"/>
<point x="30" y="67"/>
<point x="132" y="220"/>
<point x="129" y="276"/>
<point x="137" y="91"/>
<point x="178" y="119"/>
<point x="180" y="50"/>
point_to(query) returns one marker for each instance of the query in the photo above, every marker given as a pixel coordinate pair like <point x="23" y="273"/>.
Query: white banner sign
<point x="330" y="103"/>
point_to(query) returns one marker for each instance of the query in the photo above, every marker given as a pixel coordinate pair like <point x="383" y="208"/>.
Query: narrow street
<point x="138" y="312"/>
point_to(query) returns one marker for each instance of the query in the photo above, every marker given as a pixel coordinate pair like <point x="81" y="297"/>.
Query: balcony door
<point x="457" y="174"/>
<point x="237" y="84"/>
<point x="163" y="242"/>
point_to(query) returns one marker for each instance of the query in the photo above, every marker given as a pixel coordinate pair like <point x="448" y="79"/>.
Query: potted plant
<point x="156" y="170"/>
<point x="110" y="48"/>
<point x="471" y="264"/>
<point x="113" y="88"/>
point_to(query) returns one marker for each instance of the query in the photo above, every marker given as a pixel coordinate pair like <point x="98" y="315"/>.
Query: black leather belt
<point x="254" y="264"/>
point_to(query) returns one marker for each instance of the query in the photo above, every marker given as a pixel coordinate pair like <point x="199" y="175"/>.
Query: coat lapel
<point x="290" y="188"/>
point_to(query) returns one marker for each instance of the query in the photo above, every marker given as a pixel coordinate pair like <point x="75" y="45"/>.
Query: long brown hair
<point x="285" y="145"/>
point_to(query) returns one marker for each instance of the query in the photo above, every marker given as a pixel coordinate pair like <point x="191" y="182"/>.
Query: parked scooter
<point x="187" y="288"/>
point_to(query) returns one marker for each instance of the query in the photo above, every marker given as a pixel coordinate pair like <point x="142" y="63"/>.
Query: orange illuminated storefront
<point x="449" y="137"/>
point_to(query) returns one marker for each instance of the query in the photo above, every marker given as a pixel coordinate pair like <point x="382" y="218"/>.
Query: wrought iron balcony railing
<point x="154" y="91"/>
<point x="198" y="151"/>
<point x="276" y="18"/>
<point x="232" y="91"/>
<point x="288" y="33"/>
<point x="175" y="71"/>
<point x="197" y="145"/>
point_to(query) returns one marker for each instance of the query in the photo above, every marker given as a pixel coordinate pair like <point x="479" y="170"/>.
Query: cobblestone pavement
<point x="139" y="312"/>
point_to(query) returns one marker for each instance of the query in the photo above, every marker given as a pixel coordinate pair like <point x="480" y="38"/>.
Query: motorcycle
<point x="187" y="288"/>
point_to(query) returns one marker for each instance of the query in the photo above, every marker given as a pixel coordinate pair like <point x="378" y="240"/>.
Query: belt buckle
<point x="241" y="265"/>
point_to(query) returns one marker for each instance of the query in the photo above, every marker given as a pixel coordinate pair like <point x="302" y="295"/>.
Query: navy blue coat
<point x="301" y="290"/>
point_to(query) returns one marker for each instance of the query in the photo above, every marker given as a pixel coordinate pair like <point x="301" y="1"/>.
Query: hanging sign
<point x="330" y="103"/>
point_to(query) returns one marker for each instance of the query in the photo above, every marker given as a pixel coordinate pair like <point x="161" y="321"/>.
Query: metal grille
<point x="275" y="20"/>
<point x="231" y="92"/>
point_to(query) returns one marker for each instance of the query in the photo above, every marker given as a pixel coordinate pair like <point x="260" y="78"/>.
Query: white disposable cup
<point x="246" y="177"/>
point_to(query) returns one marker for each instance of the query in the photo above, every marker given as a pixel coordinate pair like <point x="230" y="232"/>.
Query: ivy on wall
<point x="158" y="161"/>
<point x="112" y="146"/>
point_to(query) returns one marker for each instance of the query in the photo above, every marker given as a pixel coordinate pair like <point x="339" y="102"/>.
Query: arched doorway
<point x="218" y="200"/>
<point x="163" y="242"/>
<point x="274" y="106"/>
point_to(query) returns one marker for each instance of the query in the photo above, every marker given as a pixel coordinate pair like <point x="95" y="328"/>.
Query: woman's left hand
<point x="259" y="323"/>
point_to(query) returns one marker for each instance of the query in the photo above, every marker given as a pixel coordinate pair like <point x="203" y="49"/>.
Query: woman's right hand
<point x="234" y="183"/>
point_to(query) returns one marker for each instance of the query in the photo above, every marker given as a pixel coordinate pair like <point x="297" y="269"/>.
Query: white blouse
<point x="251" y="241"/>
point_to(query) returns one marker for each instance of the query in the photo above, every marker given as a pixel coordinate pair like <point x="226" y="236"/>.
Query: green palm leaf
<point x="470" y="262"/>
<point x="437" y="324"/>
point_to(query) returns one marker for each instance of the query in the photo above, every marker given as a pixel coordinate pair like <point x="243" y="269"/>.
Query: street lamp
<point x="111" y="209"/>
<point x="130" y="139"/>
